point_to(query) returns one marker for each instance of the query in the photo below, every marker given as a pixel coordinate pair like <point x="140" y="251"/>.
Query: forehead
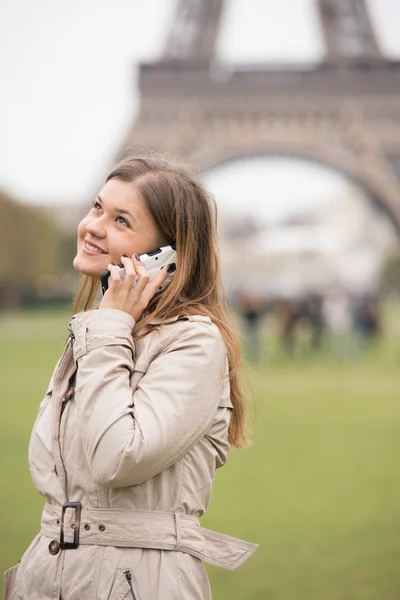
<point x="120" y="194"/>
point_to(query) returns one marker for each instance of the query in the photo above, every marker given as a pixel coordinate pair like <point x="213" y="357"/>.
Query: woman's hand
<point x="124" y="294"/>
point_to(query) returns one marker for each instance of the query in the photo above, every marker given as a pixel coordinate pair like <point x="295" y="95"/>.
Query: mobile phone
<point x="153" y="262"/>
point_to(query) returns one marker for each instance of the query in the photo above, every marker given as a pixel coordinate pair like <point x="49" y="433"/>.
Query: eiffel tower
<point x="344" y="112"/>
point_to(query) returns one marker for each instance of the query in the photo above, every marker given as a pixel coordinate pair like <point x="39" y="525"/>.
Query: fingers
<point x="133" y="291"/>
<point x="130" y="273"/>
<point x="136" y="277"/>
<point x="115" y="277"/>
<point x="143" y="276"/>
<point x="154" y="286"/>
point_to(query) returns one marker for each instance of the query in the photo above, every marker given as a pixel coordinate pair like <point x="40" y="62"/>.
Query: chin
<point x="86" y="267"/>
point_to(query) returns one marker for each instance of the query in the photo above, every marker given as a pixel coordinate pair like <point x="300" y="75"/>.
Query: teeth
<point x="93" y="248"/>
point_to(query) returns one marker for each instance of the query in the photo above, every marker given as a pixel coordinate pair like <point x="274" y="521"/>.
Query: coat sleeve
<point x="129" y="437"/>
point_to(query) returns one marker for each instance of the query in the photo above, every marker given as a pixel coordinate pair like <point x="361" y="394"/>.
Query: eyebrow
<point x="120" y="211"/>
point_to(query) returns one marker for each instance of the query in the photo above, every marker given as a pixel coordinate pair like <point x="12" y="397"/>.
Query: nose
<point x="97" y="227"/>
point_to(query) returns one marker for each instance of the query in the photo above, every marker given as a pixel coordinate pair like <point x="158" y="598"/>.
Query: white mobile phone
<point x="153" y="262"/>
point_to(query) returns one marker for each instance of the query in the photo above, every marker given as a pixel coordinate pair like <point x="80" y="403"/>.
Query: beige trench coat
<point x="136" y="450"/>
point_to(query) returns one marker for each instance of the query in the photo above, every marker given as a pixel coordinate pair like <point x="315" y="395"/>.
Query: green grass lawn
<point x="319" y="489"/>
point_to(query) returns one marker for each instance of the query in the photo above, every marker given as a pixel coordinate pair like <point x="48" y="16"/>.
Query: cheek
<point x="117" y="246"/>
<point x="82" y="227"/>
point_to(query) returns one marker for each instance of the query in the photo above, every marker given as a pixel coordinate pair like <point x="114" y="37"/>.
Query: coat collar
<point x="200" y="318"/>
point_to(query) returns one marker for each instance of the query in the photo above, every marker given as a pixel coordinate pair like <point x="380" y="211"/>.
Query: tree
<point x="30" y="244"/>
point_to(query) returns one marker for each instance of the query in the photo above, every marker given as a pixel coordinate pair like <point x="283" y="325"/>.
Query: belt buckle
<point x="77" y="523"/>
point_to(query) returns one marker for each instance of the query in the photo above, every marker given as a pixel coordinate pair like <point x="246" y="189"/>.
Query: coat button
<point x="86" y="526"/>
<point x="102" y="527"/>
<point x="54" y="547"/>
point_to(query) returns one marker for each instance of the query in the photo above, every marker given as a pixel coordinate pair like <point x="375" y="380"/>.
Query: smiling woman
<point x="142" y="407"/>
<point x="118" y="223"/>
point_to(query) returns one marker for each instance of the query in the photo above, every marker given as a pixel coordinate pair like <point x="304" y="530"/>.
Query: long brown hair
<point x="186" y="214"/>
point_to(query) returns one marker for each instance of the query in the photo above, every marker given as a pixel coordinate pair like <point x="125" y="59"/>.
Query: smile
<point x="88" y="248"/>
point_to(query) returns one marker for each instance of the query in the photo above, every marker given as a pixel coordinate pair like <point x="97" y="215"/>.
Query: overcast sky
<point x="68" y="76"/>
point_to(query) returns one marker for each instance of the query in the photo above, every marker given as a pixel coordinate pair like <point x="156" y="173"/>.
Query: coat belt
<point x="149" y="529"/>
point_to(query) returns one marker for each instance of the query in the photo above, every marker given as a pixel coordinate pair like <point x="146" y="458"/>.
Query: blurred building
<point x="342" y="246"/>
<point x="342" y="111"/>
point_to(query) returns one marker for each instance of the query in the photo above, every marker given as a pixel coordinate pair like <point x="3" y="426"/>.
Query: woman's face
<point x="118" y="223"/>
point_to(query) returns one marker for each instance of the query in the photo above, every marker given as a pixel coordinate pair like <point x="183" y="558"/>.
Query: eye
<point x="123" y="221"/>
<point x="96" y="205"/>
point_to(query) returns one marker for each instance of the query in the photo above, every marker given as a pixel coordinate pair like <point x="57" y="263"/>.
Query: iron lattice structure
<point x="343" y="112"/>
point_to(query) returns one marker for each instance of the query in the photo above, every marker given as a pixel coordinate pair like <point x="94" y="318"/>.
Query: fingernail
<point x="137" y="256"/>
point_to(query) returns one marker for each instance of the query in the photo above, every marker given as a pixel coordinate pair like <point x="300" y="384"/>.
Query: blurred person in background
<point x="142" y="407"/>
<point x="367" y="320"/>
<point x="313" y="314"/>
<point x="288" y="316"/>
<point x="337" y="312"/>
<point x="251" y="310"/>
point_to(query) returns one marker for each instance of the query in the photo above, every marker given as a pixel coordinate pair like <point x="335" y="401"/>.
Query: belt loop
<point x="178" y="531"/>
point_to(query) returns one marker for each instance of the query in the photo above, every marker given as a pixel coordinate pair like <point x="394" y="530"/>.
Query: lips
<point x="92" y="247"/>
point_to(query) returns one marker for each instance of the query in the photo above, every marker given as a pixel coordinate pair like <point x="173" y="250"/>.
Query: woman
<point x="142" y="407"/>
